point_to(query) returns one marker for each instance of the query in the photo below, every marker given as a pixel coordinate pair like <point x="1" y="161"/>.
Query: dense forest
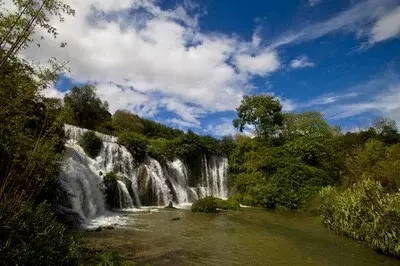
<point x="293" y="161"/>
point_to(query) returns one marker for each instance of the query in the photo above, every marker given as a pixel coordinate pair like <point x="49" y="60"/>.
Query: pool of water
<point x="246" y="237"/>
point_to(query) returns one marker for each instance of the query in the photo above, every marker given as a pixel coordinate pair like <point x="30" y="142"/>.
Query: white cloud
<point x="287" y="104"/>
<point x="379" y="96"/>
<point x="387" y="27"/>
<point x="52" y="92"/>
<point x="142" y="57"/>
<point x="182" y="124"/>
<point x="358" y="19"/>
<point x="314" y="2"/>
<point x="329" y="99"/>
<point x="301" y="62"/>
<point x="261" y="64"/>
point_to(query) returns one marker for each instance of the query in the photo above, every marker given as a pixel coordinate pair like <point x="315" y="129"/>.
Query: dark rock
<point x="170" y="206"/>
<point x="98" y="229"/>
<point x="109" y="227"/>
<point x="176" y="218"/>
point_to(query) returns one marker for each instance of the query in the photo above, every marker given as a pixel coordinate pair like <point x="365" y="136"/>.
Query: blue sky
<point x="188" y="63"/>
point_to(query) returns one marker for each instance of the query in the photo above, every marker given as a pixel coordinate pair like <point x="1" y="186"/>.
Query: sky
<point x="188" y="63"/>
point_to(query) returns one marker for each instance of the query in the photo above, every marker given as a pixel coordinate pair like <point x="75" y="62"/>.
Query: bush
<point x="213" y="204"/>
<point x="111" y="190"/>
<point x="91" y="144"/>
<point x="206" y="205"/>
<point x="294" y="186"/>
<point x="135" y="143"/>
<point x="230" y="204"/>
<point x="31" y="235"/>
<point x="363" y="212"/>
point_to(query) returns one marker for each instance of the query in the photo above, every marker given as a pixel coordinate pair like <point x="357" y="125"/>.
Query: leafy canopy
<point x="262" y="112"/>
<point x="88" y="110"/>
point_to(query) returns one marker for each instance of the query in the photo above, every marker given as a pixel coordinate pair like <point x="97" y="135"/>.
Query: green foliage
<point x="229" y="204"/>
<point x="18" y="26"/>
<point x="374" y="161"/>
<point x="123" y="120"/>
<point x="364" y="212"/>
<point x="213" y="205"/>
<point x="135" y="143"/>
<point x="156" y="130"/>
<point x="261" y="111"/>
<point x="295" y="185"/>
<point x="88" y="110"/>
<point x="205" y="205"/>
<point x="91" y="143"/>
<point x="31" y="235"/>
<point x="31" y="140"/>
<point x="111" y="190"/>
<point x="162" y="149"/>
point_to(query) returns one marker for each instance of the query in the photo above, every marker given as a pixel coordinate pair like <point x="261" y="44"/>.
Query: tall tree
<point x="262" y="112"/>
<point x="18" y="25"/>
<point x="89" y="111"/>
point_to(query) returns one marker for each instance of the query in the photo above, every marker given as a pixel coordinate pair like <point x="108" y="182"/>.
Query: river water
<point x="246" y="237"/>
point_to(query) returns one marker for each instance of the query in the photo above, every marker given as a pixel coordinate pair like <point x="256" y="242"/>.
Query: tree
<point x="88" y="110"/>
<point x="387" y="130"/>
<point x="124" y="120"/>
<point x="307" y="124"/>
<point x="18" y="27"/>
<point x="262" y="112"/>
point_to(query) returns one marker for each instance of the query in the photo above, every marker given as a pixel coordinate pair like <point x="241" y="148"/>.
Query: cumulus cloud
<point x="144" y="58"/>
<point x="261" y="64"/>
<point x="301" y="62"/>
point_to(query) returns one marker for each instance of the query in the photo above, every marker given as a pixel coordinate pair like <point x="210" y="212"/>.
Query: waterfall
<point x="125" y="198"/>
<point x="149" y="183"/>
<point x="179" y="180"/>
<point x="82" y="185"/>
<point x="153" y="185"/>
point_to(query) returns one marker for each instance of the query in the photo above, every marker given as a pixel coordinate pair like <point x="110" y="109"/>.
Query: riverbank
<point x="250" y="236"/>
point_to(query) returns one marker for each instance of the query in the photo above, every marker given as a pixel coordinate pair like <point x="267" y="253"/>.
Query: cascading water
<point x="149" y="183"/>
<point x="125" y="198"/>
<point x="153" y="185"/>
<point x="81" y="184"/>
<point x="178" y="177"/>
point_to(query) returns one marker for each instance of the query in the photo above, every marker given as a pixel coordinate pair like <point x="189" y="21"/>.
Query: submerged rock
<point x="176" y="218"/>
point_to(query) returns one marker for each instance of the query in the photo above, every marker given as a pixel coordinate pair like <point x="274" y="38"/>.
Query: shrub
<point x="213" y="204"/>
<point x="31" y="235"/>
<point x="111" y="190"/>
<point x="294" y="186"/>
<point x="363" y="212"/>
<point x="135" y="143"/>
<point x="229" y="204"/>
<point x="91" y="144"/>
<point x="206" y="205"/>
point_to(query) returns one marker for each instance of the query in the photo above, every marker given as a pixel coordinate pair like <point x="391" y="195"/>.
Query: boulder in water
<point x="176" y="218"/>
